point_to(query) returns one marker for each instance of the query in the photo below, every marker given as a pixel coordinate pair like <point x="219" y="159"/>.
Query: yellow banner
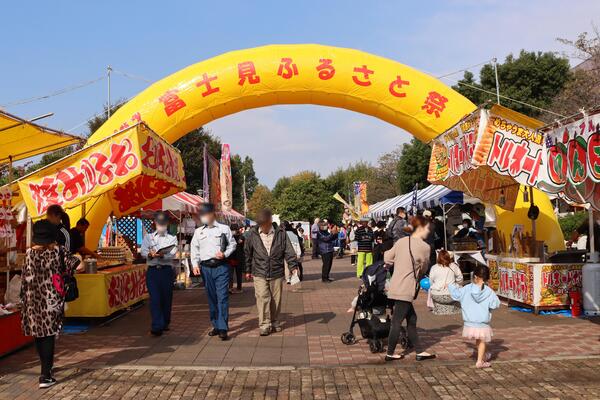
<point x="134" y="168"/>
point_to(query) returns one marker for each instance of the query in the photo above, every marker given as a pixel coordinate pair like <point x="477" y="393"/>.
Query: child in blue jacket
<point x="477" y="300"/>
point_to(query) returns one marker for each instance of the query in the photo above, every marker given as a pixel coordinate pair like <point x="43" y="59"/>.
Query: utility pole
<point x="108" y="71"/>
<point x="494" y="61"/>
<point x="245" y="198"/>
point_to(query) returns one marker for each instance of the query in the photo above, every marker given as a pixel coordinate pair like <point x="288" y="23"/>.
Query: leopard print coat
<point x="43" y="303"/>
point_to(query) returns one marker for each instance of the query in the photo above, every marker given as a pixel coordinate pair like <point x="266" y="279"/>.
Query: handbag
<point x="70" y="289"/>
<point x="412" y="259"/>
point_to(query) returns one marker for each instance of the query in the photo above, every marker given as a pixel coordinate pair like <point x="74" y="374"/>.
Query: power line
<point x="53" y="94"/>
<point x="464" y="69"/>
<point x="132" y="76"/>
<point x="505" y="97"/>
<point x="98" y="114"/>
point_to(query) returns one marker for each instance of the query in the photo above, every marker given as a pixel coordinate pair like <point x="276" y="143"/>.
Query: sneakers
<point x="265" y="331"/>
<point x="46" y="382"/>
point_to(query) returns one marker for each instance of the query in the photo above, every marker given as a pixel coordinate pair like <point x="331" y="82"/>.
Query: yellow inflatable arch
<point x="287" y="74"/>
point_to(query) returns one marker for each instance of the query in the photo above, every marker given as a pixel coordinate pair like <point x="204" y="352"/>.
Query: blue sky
<point x="52" y="45"/>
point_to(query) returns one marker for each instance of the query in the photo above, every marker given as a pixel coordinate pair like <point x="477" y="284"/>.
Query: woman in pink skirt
<point x="476" y="301"/>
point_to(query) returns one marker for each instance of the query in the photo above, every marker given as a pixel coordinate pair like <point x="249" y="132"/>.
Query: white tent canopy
<point x="429" y="197"/>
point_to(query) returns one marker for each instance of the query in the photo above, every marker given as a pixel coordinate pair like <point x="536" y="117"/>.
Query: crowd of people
<point x="269" y="255"/>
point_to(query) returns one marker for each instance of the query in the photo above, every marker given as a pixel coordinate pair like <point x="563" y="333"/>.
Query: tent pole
<point x="445" y="232"/>
<point x="594" y="256"/>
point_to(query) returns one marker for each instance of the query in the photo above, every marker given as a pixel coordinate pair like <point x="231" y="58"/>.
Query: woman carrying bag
<point x="47" y="267"/>
<point x="443" y="274"/>
<point x="410" y="257"/>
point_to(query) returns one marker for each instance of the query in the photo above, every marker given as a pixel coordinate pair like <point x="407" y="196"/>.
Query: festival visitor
<point x="42" y="293"/>
<point x="211" y="245"/>
<point x="477" y="300"/>
<point x="57" y="216"/>
<point x="326" y="240"/>
<point x="364" y="239"/>
<point x="353" y="245"/>
<point x="292" y="234"/>
<point x="342" y="237"/>
<point x="265" y="251"/>
<point x="236" y="260"/>
<point x="410" y="258"/>
<point x="77" y="239"/>
<point x="444" y="273"/>
<point x="314" y="230"/>
<point x="397" y="228"/>
<point x="302" y="251"/>
<point x="159" y="248"/>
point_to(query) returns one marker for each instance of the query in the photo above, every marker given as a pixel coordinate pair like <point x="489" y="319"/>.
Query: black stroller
<point x="370" y="312"/>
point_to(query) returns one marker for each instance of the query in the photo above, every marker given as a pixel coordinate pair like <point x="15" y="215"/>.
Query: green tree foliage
<point x="261" y="198"/>
<point x="413" y="165"/>
<point x="240" y="168"/>
<point x="305" y="198"/>
<point x="532" y="77"/>
<point x="572" y="222"/>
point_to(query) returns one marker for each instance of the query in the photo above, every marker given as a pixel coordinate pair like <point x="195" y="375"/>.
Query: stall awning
<point x="20" y="139"/>
<point x="429" y="197"/>
<point x="131" y="169"/>
<point x="182" y="202"/>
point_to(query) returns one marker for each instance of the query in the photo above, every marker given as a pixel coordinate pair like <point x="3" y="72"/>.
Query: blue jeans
<point x="216" y="282"/>
<point x="160" y="287"/>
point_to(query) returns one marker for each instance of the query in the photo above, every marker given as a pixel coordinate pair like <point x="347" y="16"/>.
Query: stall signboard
<point x="515" y="281"/>
<point x="535" y="284"/>
<point x="133" y="168"/>
<point x="6" y="217"/>
<point x="225" y="178"/>
<point x="571" y="160"/>
<point x="452" y="164"/>
<point x="108" y="291"/>
<point x="557" y="281"/>
<point x="360" y="197"/>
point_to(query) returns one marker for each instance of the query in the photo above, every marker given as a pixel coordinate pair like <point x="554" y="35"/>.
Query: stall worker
<point x="77" y="238"/>
<point x="159" y="247"/>
<point x="211" y="245"/>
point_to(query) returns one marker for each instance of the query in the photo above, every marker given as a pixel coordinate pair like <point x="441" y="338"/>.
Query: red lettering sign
<point x="365" y="72"/>
<point x="435" y="103"/>
<point x="139" y="191"/>
<point x="325" y="69"/>
<point x="205" y="81"/>
<point x="247" y="71"/>
<point x="287" y="68"/>
<point x="514" y="158"/>
<point x="171" y="101"/>
<point x="397" y="84"/>
<point x="126" y="287"/>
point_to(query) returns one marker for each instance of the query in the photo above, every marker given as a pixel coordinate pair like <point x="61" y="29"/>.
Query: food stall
<point x="128" y="170"/>
<point x="19" y="140"/>
<point x="496" y="155"/>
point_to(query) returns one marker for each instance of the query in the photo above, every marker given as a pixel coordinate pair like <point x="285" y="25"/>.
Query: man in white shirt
<point x="159" y="247"/>
<point x="211" y="245"/>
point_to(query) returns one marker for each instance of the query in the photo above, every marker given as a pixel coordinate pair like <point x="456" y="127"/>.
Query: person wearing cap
<point x="398" y="225"/>
<point x="159" y="247"/>
<point x="43" y="293"/>
<point x="266" y="250"/>
<point x="211" y="245"/>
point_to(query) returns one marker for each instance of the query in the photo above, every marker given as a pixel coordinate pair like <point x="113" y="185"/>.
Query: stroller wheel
<point x="348" y="338"/>
<point x="376" y="346"/>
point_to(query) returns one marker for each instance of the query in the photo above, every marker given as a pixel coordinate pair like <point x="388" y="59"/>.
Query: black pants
<point x="353" y="259"/>
<point x="45" y="348"/>
<point x="236" y="270"/>
<point x="327" y="259"/>
<point x="403" y="310"/>
<point x="315" y="248"/>
<point x="341" y="251"/>
<point x="300" y="271"/>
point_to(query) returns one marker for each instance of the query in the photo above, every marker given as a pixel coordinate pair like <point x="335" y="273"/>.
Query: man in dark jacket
<point x="364" y="237"/>
<point x="397" y="228"/>
<point x="326" y="239"/>
<point x="265" y="250"/>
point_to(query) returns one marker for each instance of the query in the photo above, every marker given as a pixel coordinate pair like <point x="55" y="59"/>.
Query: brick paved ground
<point x="314" y="318"/>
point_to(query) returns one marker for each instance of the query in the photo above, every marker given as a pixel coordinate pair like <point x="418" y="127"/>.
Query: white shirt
<point x="440" y="277"/>
<point x="206" y="242"/>
<point x="155" y="241"/>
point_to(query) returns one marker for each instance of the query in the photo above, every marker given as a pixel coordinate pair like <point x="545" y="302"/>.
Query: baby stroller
<point x="370" y="312"/>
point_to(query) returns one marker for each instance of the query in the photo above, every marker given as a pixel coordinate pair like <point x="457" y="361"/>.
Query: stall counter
<point x="541" y="285"/>
<point x="11" y="334"/>
<point x="109" y="290"/>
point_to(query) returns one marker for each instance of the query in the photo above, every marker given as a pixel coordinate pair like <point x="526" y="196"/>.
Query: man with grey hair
<point x="265" y="250"/>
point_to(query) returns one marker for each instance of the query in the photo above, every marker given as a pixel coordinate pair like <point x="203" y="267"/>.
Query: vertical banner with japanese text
<point x="360" y="197"/>
<point x="214" y="182"/>
<point x="225" y="179"/>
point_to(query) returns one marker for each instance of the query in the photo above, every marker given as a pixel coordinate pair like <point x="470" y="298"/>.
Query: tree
<point x="240" y="168"/>
<point x="191" y="147"/>
<point x="305" y="198"/>
<point x="532" y="77"/>
<point x="261" y="198"/>
<point x="583" y="89"/>
<point x="413" y="165"/>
